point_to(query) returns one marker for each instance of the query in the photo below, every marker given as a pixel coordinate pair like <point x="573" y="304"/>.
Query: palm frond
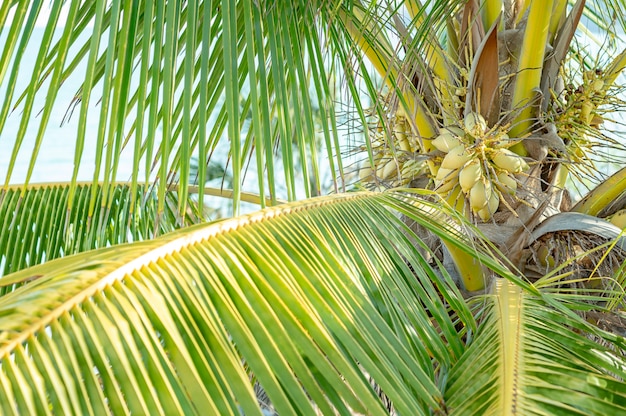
<point x="150" y="63"/>
<point x="528" y="358"/>
<point x="38" y="224"/>
<point x="315" y="298"/>
<point x="314" y="301"/>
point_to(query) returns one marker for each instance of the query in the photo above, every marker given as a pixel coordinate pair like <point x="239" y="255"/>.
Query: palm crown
<point x="466" y="282"/>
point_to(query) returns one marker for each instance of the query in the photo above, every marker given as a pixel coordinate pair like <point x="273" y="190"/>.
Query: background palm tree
<point x="464" y="289"/>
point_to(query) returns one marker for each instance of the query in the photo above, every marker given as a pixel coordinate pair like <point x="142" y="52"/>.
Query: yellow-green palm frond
<point x="311" y="300"/>
<point x="524" y="360"/>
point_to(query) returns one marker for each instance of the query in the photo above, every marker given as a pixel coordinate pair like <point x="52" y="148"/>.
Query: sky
<point x="42" y="18"/>
<point x="57" y="151"/>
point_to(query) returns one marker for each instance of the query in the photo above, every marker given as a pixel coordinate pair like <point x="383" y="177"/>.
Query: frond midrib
<point x="510" y="319"/>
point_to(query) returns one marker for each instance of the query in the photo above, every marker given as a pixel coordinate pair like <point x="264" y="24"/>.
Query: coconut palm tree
<point x="446" y="271"/>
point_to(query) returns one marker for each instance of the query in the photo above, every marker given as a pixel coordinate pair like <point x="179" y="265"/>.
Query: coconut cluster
<point x="471" y="159"/>
<point x="477" y="163"/>
<point x="578" y="114"/>
<point x="395" y="162"/>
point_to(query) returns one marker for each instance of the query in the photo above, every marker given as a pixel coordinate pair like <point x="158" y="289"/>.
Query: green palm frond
<point x="314" y="297"/>
<point x="528" y="358"/>
<point x="39" y="226"/>
<point x="175" y="79"/>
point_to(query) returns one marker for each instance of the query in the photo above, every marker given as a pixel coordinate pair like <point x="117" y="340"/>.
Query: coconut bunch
<point x="577" y="112"/>
<point x="396" y="160"/>
<point x="478" y="164"/>
<point x="438" y="133"/>
<point x="470" y="161"/>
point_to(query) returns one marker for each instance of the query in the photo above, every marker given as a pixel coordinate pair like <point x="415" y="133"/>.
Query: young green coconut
<point x="493" y="116"/>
